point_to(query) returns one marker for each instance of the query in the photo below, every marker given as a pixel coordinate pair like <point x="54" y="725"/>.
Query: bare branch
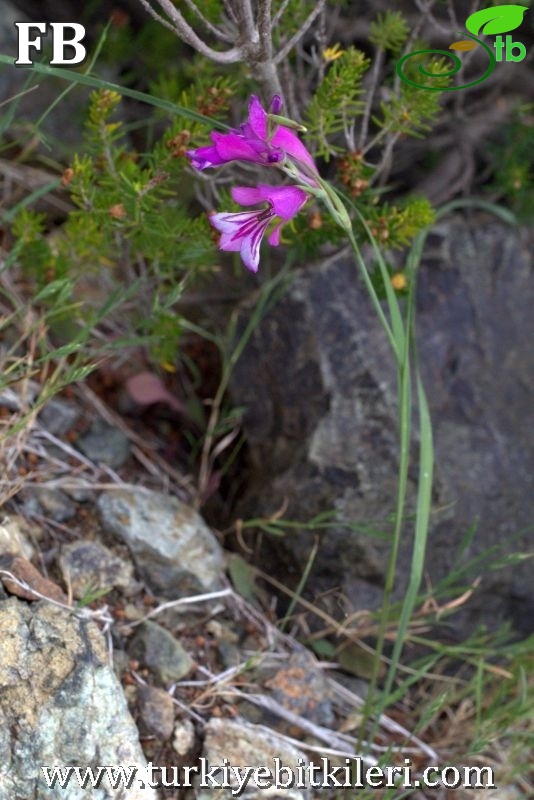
<point x="266" y="73"/>
<point x="289" y="45"/>
<point x="426" y="10"/>
<point x="260" y="58"/>
<point x="180" y="27"/>
<point x="278" y="16"/>
<point x="154" y="14"/>
<point x="264" y="28"/>
<point x="245" y="22"/>
<point x="292" y="108"/>
<point x="254" y="42"/>
<point x="230" y="10"/>
<point x="375" y="74"/>
<point x="321" y="39"/>
<point x="217" y="32"/>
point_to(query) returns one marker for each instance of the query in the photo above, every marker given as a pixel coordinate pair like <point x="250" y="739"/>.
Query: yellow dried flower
<point x="399" y="281"/>
<point x="333" y="53"/>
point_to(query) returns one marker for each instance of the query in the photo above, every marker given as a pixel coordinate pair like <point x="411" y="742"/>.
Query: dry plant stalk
<point x="246" y="29"/>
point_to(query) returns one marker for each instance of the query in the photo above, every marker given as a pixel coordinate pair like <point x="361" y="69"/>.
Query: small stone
<point x="52" y="503"/>
<point x="244" y="744"/>
<point x="58" y="416"/>
<point x="105" y="444"/>
<point x="173" y="548"/>
<point x="120" y="662"/>
<point x="81" y="494"/>
<point x="130" y="693"/>
<point x="89" y="566"/>
<point x="226" y="640"/>
<point x="14" y="538"/>
<point x="228" y="652"/>
<point x="157" y="711"/>
<point x="156" y="648"/>
<point x="133" y="612"/>
<point x="502" y="793"/>
<point x="299" y="685"/>
<point x="184" y="737"/>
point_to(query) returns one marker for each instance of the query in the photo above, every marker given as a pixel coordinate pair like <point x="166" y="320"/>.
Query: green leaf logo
<point x="499" y="19"/>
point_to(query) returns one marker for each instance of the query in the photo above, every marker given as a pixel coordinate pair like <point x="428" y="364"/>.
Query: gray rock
<point x="60" y="703"/>
<point x="81" y="494"/>
<point x="105" y="444"/>
<point x="53" y="503"/>
<point x="184" y="738"/>
<point x="157" y="711"/>
<point x="154" y="647"/>
<point x="174" y="550"/>
<point x="58" y="416"/>
<point x="244" y="744"/>
<point x="318" y="383"/>
<point x="89" y="565"/>
<point x="227" y="639"/>
<point x="299" y="685"/>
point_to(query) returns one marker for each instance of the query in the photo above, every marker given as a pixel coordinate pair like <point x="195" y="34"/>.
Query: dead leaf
<point x="146" y="388"/>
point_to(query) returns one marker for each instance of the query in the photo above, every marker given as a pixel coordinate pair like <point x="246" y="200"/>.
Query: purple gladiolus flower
<point x="254" y="142"/>
<point x="243" y="231"/>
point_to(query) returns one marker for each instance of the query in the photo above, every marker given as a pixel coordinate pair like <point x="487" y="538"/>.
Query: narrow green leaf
<point x="54" y="287"/>
<point x="29" y="199"/>
<point x="100" y="83"/>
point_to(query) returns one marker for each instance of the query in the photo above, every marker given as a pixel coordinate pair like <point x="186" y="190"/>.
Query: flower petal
<point x="289" y="142"/>
<point x="204" y="157"/>
<point x="243" y="232"/>
<point x="274" y="236"/>
<point x="232" y="147"/>
<point x="250" y="246"/>
<point x="257" y="118"/>
<point x="230" y="223"/>
<point x="285" y="200"/>
<point x="230" y="243"/>
<point x="247" y="195"/>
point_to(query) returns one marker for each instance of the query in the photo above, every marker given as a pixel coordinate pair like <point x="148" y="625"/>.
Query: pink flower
<point x="243" y="231"/>
<point x="253" y="142"/>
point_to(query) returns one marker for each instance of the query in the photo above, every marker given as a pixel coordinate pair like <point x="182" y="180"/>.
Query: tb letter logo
<point x="59" y="38"/>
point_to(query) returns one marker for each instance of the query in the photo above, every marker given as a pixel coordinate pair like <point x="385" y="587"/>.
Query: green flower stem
<point x="402" y="358"/>
<point x="399" y="329"/>
<point x="336" y="206"/>
<point x="373" y="295"/>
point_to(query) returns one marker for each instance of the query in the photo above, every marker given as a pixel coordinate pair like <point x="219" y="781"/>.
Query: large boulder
<point x="318" y="384"/>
